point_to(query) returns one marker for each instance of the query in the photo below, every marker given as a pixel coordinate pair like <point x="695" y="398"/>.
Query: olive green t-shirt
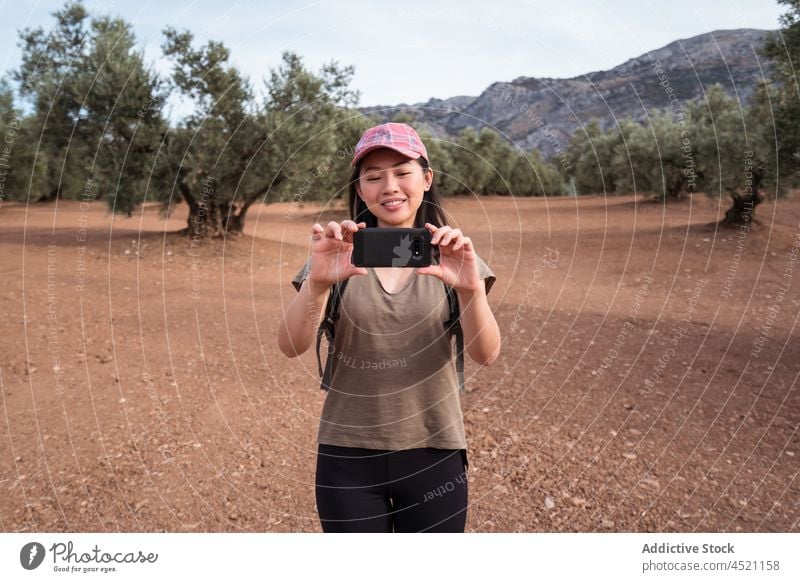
<point x="394" y="384"/>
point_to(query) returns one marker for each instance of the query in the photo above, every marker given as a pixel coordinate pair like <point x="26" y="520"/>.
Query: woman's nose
<point x="390" y="185"/>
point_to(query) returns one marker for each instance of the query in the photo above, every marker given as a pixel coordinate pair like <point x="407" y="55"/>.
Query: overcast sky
<point x="407" y="52"/>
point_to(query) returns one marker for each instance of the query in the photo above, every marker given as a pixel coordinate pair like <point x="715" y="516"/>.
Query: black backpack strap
<point x="453" y="325"/>
<point x="327" y="328"/>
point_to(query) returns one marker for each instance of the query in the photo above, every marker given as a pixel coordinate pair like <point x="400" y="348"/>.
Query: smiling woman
<point x="392" y="186"/>
<point x="392" y="181"/>
<point x="392" y="447"/>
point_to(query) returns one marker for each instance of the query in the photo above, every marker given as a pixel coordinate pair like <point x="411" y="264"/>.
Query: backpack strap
<point x="327" y="328"/>
<point x="453" y="326"/>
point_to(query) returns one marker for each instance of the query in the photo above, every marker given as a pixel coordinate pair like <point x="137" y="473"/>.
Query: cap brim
<point x="405" y="152"/>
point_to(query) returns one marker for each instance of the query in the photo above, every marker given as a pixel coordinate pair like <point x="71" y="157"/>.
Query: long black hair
<point x="429" y="211"/>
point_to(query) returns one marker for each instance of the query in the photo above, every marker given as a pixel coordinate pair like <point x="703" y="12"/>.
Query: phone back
<point x="392" y="247"/>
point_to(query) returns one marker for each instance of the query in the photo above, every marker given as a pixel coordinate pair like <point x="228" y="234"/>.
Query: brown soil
<point x="142" y="388"/>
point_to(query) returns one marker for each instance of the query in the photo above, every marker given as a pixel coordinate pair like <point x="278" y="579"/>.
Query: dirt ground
<point x="647" y="381"/>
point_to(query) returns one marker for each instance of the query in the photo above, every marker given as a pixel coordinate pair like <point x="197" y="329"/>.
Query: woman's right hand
<point x="331" y="251"/>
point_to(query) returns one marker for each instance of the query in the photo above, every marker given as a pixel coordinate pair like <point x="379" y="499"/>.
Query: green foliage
<point x="732" y="144"/>
<point x="715" y="145"/>
<point x="295" y="145"/>
<point x="313" y="127"/>
<point x="407" y="117"/>
<point x="780" y="104"/>
<point x="95" y="121"/>
<point x="656" y="157"/>
<point x="470" y="166"/>
<point x="93" y="127"/>
<point x="49" y="80"/>
<point x="485" y="163"/>
<point x="590" y="153"/>
<point x="439" y="152"/>
<point x="123" y="125"/>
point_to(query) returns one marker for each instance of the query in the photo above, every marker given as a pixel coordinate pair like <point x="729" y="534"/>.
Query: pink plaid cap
<point x="399" y="137"/>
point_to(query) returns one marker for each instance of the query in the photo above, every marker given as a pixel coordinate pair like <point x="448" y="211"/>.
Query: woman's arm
<point x="458" y="268"/>
<point x="301" y="319"/>
<point x="331" y="249"/>
<point x="481" y="332"/>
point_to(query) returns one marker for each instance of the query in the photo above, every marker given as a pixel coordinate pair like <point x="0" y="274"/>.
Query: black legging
<point x="369" y="490"/>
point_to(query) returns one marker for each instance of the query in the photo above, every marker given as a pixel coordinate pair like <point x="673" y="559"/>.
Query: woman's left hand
<point x="458" y="262"/>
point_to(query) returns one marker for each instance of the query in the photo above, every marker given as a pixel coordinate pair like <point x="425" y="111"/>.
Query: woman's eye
<point x="372" y="179"/>
<point x="404" y="174"/>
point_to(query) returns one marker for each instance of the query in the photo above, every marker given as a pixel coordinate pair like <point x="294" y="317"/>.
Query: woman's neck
<point x="407" y="224"/>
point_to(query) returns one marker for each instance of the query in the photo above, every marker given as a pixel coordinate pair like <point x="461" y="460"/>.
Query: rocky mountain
<point x="543" y="113"/>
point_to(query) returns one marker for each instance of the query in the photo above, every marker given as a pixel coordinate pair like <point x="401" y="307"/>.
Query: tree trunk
<point x="206" y="217"/>
<point x="209" y="217"/>
<point x="52" y="195"/>
<point x="743" y="209"/>
<point x="236" y="222"/>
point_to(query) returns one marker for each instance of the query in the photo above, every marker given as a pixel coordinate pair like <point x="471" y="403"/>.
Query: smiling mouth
<point x="392" y="203"/>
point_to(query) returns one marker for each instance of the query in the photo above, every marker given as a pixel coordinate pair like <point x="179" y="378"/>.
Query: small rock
<point x="549" y="502"/>
<point x="629" y="456"/>
<point x="607" y="524"/>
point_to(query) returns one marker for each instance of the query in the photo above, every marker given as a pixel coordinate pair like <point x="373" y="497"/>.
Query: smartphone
<point x="392" y="247"/>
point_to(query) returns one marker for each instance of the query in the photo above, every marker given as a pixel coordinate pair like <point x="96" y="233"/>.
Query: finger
<point x="333" y="230"/>
<point x="449" y="237"/>
<point x="434" y="270"/>
<point x="349" y="227"/>
<point x="465" y="242"/>
<point x="437" y="236"/>
<point x="356" y="271"/>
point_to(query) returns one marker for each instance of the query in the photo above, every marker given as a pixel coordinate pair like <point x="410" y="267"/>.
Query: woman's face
<point x="388" y="176"/>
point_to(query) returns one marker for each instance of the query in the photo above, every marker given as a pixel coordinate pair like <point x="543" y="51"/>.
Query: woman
<point x="392" y="451"/>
